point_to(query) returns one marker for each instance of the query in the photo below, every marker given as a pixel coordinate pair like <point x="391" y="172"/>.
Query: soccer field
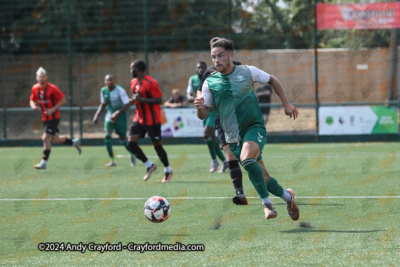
<point x="348" y="196"/>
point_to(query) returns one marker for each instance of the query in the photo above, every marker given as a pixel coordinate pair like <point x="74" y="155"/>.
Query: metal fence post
<point x="4" y="102"/>
<point x="146" y="48"/>
<point x="316" y="66"/>
<point x="69" y="48"/>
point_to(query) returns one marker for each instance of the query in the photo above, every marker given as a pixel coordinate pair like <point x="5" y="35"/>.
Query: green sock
<point x="219" y="152"/>
<point x="274" y="187"/>
<point x="109" y="148"/>
<point x="211" y="148"/>
<point x="256" y="176"/>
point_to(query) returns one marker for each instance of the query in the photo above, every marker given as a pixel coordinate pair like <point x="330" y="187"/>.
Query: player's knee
<point x="157" y="144"/>
<point x="107" y="136"/>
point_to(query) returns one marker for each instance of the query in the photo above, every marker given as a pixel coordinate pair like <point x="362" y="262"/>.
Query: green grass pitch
<point x="348" y="195"/>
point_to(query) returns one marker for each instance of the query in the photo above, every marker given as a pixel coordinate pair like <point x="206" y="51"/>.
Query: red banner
<point x="358" y="16"/>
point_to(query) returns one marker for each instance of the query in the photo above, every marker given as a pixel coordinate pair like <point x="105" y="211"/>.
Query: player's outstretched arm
<point x="289" y="109"/>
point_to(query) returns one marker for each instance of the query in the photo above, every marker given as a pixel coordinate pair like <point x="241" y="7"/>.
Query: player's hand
<point x="48" y="112"/>
<point x="291" y="111"/>
<point x="114" y="116"/>
<point x="199" y="102"/>
<point x="37" y="108"/>
<point x="136" y="97"/>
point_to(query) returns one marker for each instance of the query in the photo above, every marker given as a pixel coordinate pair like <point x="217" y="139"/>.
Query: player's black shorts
<point x="265" y="111"/>
<point x="154" y="131"/>
<point x="220" y="132"/>
<point x="51" y="127"/>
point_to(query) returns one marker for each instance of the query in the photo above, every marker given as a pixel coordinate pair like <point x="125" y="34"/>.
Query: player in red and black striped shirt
<point x="48" y="98"/>
<point x="147" y="97"/>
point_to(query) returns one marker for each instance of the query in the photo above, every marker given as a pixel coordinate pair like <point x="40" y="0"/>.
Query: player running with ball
<point x="231" y="92"/>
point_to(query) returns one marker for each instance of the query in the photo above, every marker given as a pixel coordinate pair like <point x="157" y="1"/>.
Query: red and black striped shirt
<point x="47" y="98"/>
<point x="146" y="113"/>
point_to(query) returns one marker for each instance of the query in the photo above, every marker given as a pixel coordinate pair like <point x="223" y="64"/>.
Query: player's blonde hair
<point x="41" y="70"/>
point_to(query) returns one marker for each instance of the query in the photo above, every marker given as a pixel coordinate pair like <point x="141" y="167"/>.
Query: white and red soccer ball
<point x="157" y="209"/>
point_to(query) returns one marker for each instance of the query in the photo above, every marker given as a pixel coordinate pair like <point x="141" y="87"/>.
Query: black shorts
<point x="265" y="111"/>
<point x="220" y="132"/>
<point x="51" y="127"/>
<point x="154" y="131"/>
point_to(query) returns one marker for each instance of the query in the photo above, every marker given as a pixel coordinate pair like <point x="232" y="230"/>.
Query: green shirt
<point x="194" y="84"/>
<point x="114" y="100"/>
<point x="234" y="98"/>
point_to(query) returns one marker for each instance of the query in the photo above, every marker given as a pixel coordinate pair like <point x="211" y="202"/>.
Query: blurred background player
<point x="147" y="97"/>
<point x="48" y="98"/>
<point x="231" y="92"/>
<point x="114" y="98"/>
<point x="195" y="80"/>
<point x="209" y="122"/>
<point x="263" y="94"/>
<point x="176" y="100"/>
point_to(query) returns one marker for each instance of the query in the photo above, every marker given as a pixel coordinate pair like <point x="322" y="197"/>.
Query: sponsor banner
<point x="358" y="16"/>
<point x="181" y="122"/>
<point x="358" y="120"/>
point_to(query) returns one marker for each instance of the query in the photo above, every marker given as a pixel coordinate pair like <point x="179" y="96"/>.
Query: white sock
<point x="286" y="196"/>
<point x="266" y="201"/>
<point x="167" y="169"/>
<point x="43" y="161"/>
<point x="148" y="163"/>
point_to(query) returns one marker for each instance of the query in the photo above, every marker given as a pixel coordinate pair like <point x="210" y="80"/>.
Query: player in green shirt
<point x="209" y="122"/>
<point x="231" y="92"/>
<point x="115" y="100"/>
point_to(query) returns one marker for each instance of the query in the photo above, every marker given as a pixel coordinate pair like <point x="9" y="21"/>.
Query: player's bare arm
<point x="34" y="105"/>
<point x="289" y="109"/>
<point x="98" y="112"/>
<point x="138" y="98"/>
<point x="50" y="111"/>
<point x="201" y="110"/>
<point x="114" y="116"/>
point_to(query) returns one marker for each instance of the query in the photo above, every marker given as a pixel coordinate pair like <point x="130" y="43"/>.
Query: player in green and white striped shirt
<point x="114" y="98"/>
<point x="231" y="92"/>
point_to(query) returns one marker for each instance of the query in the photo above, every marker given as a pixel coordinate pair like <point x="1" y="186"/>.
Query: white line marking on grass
<point x="141" y="198"/>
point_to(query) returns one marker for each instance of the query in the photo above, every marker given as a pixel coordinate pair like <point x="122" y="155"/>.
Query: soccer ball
<point x="157" y="209"/>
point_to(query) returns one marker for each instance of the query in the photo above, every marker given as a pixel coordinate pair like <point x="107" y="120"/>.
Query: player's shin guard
<point x="137" y="151"/>
<point x="162" y="155"/>
<point x="236" y="176"/>
<point x="274" y="187"/>
<point x="107" y="142"/>
<point x="211" y="147"/>
<point x="218" y="151"/>
<point x="46" y="154"/>
<point x="256" y="176"/>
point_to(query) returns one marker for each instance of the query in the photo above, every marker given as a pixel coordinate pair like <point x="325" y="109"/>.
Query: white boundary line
<point x="140" y="198"/>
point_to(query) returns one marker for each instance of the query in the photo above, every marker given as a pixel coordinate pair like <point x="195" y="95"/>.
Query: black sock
<point x="68" y="141"/>
<point x="137" y="151"/>
<point x="162" y="155"/>
<point x="46" y="154"/>
<point x="236" y="176"/>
